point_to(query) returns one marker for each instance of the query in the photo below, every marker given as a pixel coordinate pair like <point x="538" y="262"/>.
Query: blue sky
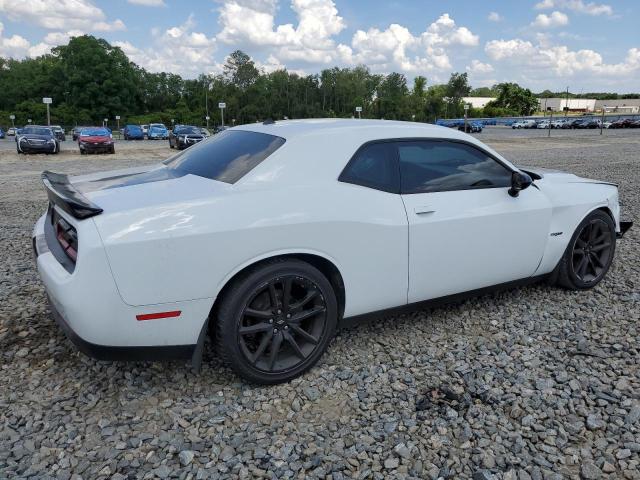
<point x="584" y="44"/>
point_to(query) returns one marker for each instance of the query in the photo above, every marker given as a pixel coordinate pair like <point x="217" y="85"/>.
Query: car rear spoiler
<point x="63" y="194"/>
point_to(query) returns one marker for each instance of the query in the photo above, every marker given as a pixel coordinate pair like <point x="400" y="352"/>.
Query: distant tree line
<point x="90" y="80"/>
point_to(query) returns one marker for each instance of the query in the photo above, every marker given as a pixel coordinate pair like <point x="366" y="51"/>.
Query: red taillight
<point x="67" y="237"/>
<point x="157" y="316"/>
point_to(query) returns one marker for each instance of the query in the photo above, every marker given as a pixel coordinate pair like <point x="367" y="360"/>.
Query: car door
<point x="465" y="230"/>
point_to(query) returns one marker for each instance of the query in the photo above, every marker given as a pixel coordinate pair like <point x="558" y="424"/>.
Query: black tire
<point x="589" y="253"/>
<point x="299" y="333"/>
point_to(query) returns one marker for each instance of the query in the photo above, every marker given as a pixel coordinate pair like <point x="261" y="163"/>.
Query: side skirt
<point x="440" y="301"/>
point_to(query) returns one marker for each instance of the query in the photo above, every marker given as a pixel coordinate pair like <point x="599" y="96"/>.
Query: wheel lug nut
<point x="271" y="320"/>
<point x="275" y="330"/>
<point x="286" y="327"/>
<point x="288" y="315"/>
<point x="279" y="312"/>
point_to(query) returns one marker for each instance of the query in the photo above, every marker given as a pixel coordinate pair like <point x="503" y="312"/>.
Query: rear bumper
<point x="88" y="308"/>
<point x="136" y="353"/>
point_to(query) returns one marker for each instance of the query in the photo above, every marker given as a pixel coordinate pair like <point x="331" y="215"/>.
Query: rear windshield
<point x="94" y="132"/>
<point x="227" y="156"/>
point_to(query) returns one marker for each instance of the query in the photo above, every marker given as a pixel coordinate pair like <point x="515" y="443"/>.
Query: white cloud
<point x="555" y="19"/>
<point x="62" y="15"/>
<point x="15" y="46"/>
<point x="544" y="61"/>
<point x="494" y="17"/>
<point x="397" y="48"/>
<point x="178" y="49"/>
<point x="480" y="68"/>
<point x="577" y="6"/>
<point x="251" y="23"/>
<point x="148" y="3"/>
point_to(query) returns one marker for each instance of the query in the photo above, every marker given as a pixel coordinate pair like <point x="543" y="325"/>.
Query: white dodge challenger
<point x="267" y="236"/>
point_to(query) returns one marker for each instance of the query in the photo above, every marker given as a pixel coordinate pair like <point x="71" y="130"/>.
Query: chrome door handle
<point x="423" y="210"/>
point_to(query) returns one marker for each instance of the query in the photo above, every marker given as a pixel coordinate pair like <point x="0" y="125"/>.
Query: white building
<point x="574" y="104"/>
<point x="477" y="102"/>
<point x="628" y="105"/>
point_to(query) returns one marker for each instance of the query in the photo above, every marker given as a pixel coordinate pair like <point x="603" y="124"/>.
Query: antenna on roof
<point x="269" y="121"/>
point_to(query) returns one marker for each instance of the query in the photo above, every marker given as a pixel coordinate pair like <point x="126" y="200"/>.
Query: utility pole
<point x="466" y="109"/>
<point x="566" y="104"/>
<point x="12" y="117"/>
<point x="550" y="120"/>
<point x="604" y="107"/>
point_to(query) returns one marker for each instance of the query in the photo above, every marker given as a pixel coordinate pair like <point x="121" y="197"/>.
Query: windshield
<point x="94" y="132"/>
<point x="157" y="125"/>
<point x="226" y="157"/>
<point x="135" y="128"/>
<point x="187" y="130"/>
<point x="37" y="131"/>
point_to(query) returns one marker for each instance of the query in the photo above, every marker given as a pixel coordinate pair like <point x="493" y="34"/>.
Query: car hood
<point x="143" y="190"/>
<point x="32" y="136"/>
<point x="96" y="138"/>
<point x="558" y="176"/>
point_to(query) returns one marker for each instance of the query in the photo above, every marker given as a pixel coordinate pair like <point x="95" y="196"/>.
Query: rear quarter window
<point x="227" y="156"/>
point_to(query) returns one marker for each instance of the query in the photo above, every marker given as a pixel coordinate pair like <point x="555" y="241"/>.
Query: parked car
<point x="472" y="127"/>
<point x="606" y="124"/>
<point x="76" y="133"/>
<point x="183" y="136"/>
<point x="557" y="123"/>
<point x="35" y="139"/>
<point x="133" y="132"/>
<point x="544" y="124"/>
<point x="59" y="132"/>
<point x="145" y="129"/>
<point x="524" y="124"/>
<point x="11" y="132"/>
<point x="635" y="124"/>
<point x="96" y="140"/>
<point x="271" y="235"/>
<point x="205" y="132"/>
<point x="217" y="130"/>
<point x="1" y="133"/>
<point x="622" y="123"/>
<point x="157" y="131"/>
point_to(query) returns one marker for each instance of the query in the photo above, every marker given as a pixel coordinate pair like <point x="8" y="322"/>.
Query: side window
<point x="374" y="166"/>
<point x="439" y="165"/>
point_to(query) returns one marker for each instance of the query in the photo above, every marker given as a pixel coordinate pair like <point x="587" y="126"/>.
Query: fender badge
<point x="556" y="234"/>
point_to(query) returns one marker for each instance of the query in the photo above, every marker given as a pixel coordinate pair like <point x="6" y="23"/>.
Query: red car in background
<point x="96" y="140"/>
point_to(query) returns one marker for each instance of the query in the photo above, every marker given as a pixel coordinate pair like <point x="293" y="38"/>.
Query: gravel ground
<point x="533" y="383"/>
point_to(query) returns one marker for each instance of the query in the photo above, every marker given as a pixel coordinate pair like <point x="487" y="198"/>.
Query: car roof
<point x="362" y="130"/>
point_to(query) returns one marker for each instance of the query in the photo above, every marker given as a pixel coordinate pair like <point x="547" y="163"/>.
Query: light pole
<point x="604" y="107"/>
<point x="550" y="120"/>
<point x="222" y="106"/>
<point x="566" y="104"/>
<point x="359" y="110"/>
<point x="12" y="117"/>
<point x="413" y="117"/>
<point x="233" y="122"/>
<point x="105" y="122"/>
<point x="29" y="121"/>
<point x="207" y="119"/>
<point x="118" y="121"/>
<point x="47" y="101"/>
<point x="206" y="100"/>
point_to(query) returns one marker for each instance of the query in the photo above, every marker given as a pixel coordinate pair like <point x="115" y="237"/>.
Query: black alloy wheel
<point x="589" y="253"/>
<point x="276" y="321"/>
<point x="592" y="250"/>
<point x="282" y="323"/>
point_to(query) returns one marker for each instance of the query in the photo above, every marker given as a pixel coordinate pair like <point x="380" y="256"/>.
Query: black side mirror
<point x="519" y="181"/>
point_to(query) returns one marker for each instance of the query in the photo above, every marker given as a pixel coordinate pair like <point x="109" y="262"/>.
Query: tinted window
<point x="436" y="166"/>
<point x="228" y="156"/>
<point x="374" y="166"/>
<point x="186" y="130"/>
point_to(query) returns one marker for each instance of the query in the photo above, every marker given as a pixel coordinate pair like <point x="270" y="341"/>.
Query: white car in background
<point x="544" y="124"/>
<point x="270" y="235"/>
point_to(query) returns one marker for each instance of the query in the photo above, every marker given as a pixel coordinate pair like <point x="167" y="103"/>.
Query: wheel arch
<point x="326" y="265"/>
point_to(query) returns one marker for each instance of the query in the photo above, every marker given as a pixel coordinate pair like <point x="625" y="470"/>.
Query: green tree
<point x="513" y="97"/>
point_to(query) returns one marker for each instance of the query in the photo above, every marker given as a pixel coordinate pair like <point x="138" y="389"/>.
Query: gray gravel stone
<point x="532" y="383"/>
